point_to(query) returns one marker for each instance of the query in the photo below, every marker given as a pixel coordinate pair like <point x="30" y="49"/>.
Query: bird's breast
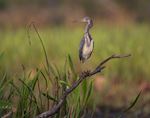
<point x="87" y="49"/>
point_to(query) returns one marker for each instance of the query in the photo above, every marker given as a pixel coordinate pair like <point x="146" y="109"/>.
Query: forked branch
<point x="82" y="77"/>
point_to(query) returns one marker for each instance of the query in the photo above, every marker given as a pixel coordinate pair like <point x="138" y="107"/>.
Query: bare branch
<point x="111" y="57"/>
<point x="8" y="115"/>
<point x="82" y="77"/>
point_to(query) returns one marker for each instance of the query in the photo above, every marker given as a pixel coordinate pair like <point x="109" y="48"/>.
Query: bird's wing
<point x="81" y="48"/>
<point x="93" y="48"/>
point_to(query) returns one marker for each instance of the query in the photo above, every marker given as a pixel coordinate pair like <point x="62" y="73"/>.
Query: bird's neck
<point x="88" y="27"/>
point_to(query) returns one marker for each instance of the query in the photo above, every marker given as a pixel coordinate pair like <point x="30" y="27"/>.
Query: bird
<point x="86" y="43"/>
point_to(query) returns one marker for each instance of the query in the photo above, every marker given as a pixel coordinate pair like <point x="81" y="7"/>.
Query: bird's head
<point x="86" y="19"/>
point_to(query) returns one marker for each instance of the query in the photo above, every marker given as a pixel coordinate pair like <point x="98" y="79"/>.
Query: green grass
<point x="29" y="95"/>
<point x="60" y="41"/>
<point x="30" y="85"/>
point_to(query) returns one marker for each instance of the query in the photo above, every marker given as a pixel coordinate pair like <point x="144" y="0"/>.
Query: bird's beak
<point x="77" y="21"/>
<point x="82" y="20"/>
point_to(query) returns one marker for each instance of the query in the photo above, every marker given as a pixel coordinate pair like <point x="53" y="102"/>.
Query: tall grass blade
<point x="46" y="82"/>
<point x="24" y="74"/>
<point x="49" y="97"/>
<point x="71" y="65"/>
<point x="46" y="87"/>
<point x="41" y="41"/>
<point x="33" y="82"/>
<point x="88" y="93"/>
<point x="57" y="72"/>
<point x="64" y="83"/>
<point x="77" y="109"/>
<point x="30" y="89"/>
<point x="133" y="103"/>
<point x="131" y="106"/>
<point x="15" y="87"/>
<point x="84" y="88"/>
<point x="2" y="83"/>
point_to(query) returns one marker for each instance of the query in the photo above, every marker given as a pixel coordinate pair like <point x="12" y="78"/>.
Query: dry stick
<point x="82" y="77"/>
<point x="8" y="115"/>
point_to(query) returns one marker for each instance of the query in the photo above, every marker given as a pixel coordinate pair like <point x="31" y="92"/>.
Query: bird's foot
<point x="85" y="73"/>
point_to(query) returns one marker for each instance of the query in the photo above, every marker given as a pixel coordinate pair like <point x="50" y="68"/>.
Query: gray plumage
<point x="87" y="43"/>
<point x="81" y="48"/>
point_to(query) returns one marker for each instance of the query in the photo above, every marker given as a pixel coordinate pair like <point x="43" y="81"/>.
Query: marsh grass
<point x="60" y="41"/>
<point x="38" y="89"/>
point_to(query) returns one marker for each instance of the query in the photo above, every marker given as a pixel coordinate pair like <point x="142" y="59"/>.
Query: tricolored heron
<point x="87" y="43"/>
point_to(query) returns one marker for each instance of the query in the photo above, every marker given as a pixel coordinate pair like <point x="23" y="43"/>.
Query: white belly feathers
<point x="87" y="50"/>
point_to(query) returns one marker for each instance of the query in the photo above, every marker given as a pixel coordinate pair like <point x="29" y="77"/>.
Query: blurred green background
<point x="120" y="27"/>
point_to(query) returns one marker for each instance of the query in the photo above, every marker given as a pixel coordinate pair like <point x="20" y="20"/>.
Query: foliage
<point x="35" y="92"/>
<point x="60" y="41"/>
<point x="39" y="89"/>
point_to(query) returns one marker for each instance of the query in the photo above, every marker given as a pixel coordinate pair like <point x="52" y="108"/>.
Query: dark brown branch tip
<point x="101" y="68"/>
<point x="120" y="56"/>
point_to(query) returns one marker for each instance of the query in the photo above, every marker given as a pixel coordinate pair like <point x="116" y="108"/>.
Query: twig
<point x="82" y="77"/>
<point x="8" y="115"/>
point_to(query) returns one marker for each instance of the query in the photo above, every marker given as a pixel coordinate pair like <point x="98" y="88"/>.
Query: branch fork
<point x="82" y="77"/>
